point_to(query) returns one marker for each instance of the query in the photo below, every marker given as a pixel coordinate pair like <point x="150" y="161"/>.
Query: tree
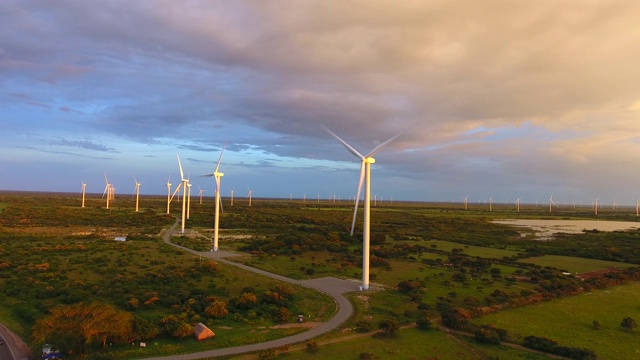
<point x="628" y="324"/>
<point x="183" y="330"/>
<point x="282" y="314"/>
<point x="389" y="326"/>
<point x="217" y="309"/>
<point x="423" y="323"/>
<point x="72" y="327"/>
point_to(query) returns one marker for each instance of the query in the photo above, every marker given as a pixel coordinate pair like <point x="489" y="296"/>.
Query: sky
<point x="503" y="99"/>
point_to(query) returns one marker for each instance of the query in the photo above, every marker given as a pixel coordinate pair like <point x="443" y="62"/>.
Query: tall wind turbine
<point x="466" y="199"/>
<point x="137" y="192"/>
<point x="365" y="175"/>
<point x="518" y="204"/>
<point x="168" y="193"/>
<point x="551" y="202"/>
<point x="249" y="196"/>
<point x="107" y="190"/>
<point x="596" y="206"/>
<point x="84" y="189"/>
<point x="231" y="197"/>
<point x="183" y="183"/>
<point x="217" y="175"/>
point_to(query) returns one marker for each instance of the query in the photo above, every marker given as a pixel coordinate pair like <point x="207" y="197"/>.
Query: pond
<point x="545" y="229"/>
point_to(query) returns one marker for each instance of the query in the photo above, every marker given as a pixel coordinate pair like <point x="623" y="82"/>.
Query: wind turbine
<point x="137" y="192"/>
<point x="518" y="204"/>
<point x="168" y="193"/>
<point x="183" y="183"/>
<point x="249" y="196"/>
<point x="107" y="190"/>
<point x="84" y="189"/>
<point x="217" y="175"/>
<point x="490" y="203"/>
<point x="200" y="194"/>
<point x="365" y="175"/>
<point x="466" y="198"/>
<point x="551" y="202"/>
<point x="231" y="197"/>
<point x="596" y="207"/>
<point x="637" y="214"/>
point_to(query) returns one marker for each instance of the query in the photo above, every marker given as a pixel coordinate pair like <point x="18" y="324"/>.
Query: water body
<point x="545" y="229"/>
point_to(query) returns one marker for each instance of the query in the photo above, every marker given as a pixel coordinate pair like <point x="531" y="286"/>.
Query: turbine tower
<point x="365" y="175"/>
<point x="551" y="202"/>
<point x="168" y="193"/>
<point x="84" y="189"/>
<point x="183" y="183"/>
<point x="188" y="198"/>
<point x="217" y="175"/>
<point x="137" y="192"/>
<point x="231" y="197"/>
<point x="249" y="196"/>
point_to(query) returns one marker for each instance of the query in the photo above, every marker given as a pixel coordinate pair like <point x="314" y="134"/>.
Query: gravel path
<point x="331" y="286"/>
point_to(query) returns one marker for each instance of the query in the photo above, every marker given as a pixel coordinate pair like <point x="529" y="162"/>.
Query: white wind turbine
<point x="217" y="175"/>
<point x="249" y="196"/>
<point x="637" y="214"/>
<point x="200" y="193"/>
<point x="596" y="206"/>
<point x="518" y="204"/>
<point x="107" y="190"/>
<point x="168" y="193"/>
<point x="551" y="202"/>
<point x="365" y="175"/>
<point x="231" y="197"/>
<point x="84" y="189"/>
<point x="490" y="203"/>
<point x="183" y="183"/>
<point x="466" y="199"/>
<point x="137" y="192"/>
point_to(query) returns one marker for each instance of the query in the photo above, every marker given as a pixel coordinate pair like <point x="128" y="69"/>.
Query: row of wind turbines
<point x="365" y="179"/>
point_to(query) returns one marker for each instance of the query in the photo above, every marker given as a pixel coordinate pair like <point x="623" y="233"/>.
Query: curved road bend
<point x="331" y="286"/>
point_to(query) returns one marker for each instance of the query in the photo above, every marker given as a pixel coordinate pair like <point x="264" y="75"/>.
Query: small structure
<point x="201" y="332"/>
<point x="120" y="238"/>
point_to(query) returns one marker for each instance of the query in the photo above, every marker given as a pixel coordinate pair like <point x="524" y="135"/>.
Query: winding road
<point x="336" y="288"/>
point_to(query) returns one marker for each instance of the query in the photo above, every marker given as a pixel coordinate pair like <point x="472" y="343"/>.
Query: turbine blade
<point x="355" y="209"/>
<point x="351" y="149"/>
<point x="177" y="189"/>
<point x="220" y="159"/>
<point x="379" y="147"/>
<point x="105" y="190"/>
<point x="181" y="172"/>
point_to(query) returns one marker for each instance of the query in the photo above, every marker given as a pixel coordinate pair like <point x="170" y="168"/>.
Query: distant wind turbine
<point x="249" y="196"/>
<point x="217" y="175"/>
<point x="168" y="193"/>
<point x="365" y="175"/>
<point x="551" y="202"/>
<point x="518" y="204"/>
<point x="200" y="193"/>
<point x="490" y="203"/>
<point x="183" y="183"/>
<point x="137" y="192"/>
<point x="232" y="197"/>
<point x="84" y="189"/>
<point x="596" y="206"/>
<point x="107" y="190"/>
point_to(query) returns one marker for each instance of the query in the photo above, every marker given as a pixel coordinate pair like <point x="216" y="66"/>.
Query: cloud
<point x="83" y="144"/>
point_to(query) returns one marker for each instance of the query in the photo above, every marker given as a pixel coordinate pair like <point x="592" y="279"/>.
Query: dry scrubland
<point x="429" y="261"/>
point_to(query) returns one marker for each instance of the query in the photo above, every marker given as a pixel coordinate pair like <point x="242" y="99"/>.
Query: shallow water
<point x="545" y="229"/>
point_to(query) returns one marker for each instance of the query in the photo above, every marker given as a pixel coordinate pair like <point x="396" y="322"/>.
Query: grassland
<point x="408" y="344"/>
<point x="570" y="321"/>
<point x="574" y="265"/>
<point x="424" y="243"/>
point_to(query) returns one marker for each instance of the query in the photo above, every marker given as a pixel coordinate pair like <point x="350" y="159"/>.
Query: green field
<point x="408" y="344"/>
<point x="570" y="321"/>
<point x="574" y="264"/>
